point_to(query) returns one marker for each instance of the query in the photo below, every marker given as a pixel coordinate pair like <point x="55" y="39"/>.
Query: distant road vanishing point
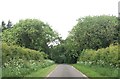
<point x="64" y="71"/>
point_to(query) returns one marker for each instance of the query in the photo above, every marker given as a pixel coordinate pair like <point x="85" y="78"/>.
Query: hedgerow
<point x="11" y="52"/>
<point x="104" y="56"/>
<point x="18" y="61"/>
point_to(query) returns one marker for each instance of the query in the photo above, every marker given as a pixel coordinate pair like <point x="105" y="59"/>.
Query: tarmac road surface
<point x="66" y="72"/>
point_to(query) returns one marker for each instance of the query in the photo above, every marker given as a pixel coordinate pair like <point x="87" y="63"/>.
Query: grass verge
<point x="42" y="72"/>
<point x="86" y="70"/>
<point x="96" y="71"/>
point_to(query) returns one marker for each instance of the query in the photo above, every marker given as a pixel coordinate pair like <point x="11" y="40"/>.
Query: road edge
<point x="52" y="71"/>
<point x="80" y="72"/>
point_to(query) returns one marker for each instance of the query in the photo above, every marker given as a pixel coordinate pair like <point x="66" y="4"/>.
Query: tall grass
<point x="96" y="70"/>
<point x="20" y="70"/>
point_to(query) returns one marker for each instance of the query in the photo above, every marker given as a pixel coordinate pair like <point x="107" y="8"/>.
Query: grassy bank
<point x="26" y="69"/>
<point x="19" y="61"/>
<point x="96" y="71"/>
<point x="42" y="72"/>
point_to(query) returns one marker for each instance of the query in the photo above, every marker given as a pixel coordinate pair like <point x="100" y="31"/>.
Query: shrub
<point x="104" y="56"/>
<point x="18" y="61"/>
<point x="11" y="52"/>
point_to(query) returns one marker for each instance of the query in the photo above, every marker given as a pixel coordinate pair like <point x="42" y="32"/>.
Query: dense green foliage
<point x="91" y="32"/>
<point x="65" y="53"/>
<point x="95" y="32"/>
<point x="30" y="33"/>
<point x="57" y="53"/>
<point x="18" y="61"/>
<point x="13" y="52"/>
<point x="103" y="57"/>
<point x="26" y="47"/>
<point x="94" y="40"/>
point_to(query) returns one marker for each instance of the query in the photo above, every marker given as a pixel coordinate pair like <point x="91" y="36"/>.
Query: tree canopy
<point x="30" y="33"/>
<point x="91" y="32"/>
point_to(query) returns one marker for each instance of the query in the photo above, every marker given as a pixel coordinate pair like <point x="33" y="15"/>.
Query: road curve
<point x="64" y="70"/>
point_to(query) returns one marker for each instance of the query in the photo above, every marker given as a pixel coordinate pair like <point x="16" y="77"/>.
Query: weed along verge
<point x="18" y="62"/>
<point x="42" y="72"/>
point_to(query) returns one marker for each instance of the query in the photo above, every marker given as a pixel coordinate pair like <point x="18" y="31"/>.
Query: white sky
<point x="60" y="14"/>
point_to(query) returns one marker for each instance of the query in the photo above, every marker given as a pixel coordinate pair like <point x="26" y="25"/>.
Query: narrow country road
<point x="64" y="70"/>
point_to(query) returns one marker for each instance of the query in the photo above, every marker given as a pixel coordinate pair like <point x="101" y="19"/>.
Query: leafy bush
<point x="104" y="56"/>
<point x="14" y="52"/>
<point x="18" y="61"/>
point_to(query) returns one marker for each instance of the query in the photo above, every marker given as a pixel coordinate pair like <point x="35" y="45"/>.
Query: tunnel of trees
<point x="91" y="32"/>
